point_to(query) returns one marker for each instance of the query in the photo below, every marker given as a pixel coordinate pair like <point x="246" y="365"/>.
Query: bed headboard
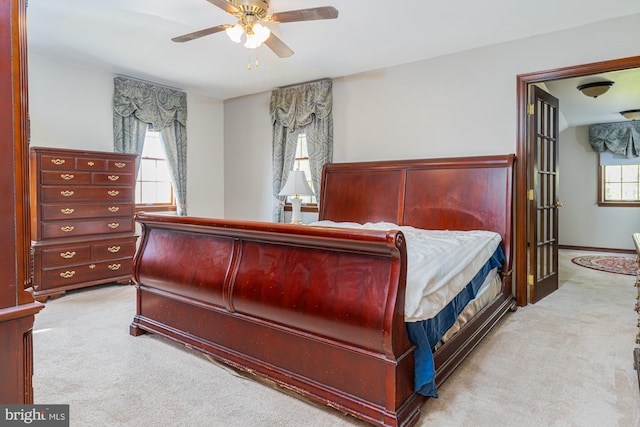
<point x="464" y="193"/>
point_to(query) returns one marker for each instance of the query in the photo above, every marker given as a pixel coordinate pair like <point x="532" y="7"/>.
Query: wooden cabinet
<point x="82" y="227"/>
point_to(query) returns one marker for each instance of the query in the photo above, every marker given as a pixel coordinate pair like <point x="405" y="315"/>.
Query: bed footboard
<point x="319" y="311"/>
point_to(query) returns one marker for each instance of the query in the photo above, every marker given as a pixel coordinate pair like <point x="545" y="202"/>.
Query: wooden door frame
<point x="523" y="149"/>
<point x="17" y="306"/>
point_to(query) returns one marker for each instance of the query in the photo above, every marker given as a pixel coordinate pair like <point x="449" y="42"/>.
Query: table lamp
<point x="296" y="186"/>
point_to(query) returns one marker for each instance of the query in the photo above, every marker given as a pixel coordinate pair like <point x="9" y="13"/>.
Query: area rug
<point x="611" y="264"/>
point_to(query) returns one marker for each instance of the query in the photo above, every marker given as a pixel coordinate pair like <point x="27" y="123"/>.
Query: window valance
<point x="159" y="105"/>
<point x="306" y="106"/>
<point x="621" y="138"/>
<point x="294" y="107"/>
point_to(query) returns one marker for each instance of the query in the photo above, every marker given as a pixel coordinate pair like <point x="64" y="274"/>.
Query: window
<point x="619" y="180"/>
<point x="154" y="191"/>
<point x="309" y="203"/>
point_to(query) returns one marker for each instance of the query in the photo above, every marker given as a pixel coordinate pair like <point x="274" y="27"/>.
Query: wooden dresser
<point x="82" y="227"/>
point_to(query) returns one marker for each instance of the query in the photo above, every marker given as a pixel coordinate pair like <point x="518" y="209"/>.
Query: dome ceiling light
<point x="631" y="114"/>
<point x="595" y="89"/>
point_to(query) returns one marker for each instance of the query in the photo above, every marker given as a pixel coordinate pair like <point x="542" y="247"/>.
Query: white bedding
<point x="440" y="263"/>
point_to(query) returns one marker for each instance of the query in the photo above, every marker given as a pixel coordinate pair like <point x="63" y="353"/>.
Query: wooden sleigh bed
<point x="320" y="310"/>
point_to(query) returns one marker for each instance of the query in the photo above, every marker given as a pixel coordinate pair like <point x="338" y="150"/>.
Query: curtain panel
<point x="307" y="107"/>
<point x="621" y="138"/>
<point x="137" y="104"/>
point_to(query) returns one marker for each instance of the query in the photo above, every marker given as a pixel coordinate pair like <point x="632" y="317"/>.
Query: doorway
<point x="526" y="159"/>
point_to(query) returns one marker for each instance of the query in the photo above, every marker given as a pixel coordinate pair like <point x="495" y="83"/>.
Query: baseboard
<point x="587" y="248"/>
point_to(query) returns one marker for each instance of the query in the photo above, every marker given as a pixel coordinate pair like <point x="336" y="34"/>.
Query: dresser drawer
<point x="112" y="178"/>
<point x="85" y="227"/>
<point x="86" y="194"/>
<point x="57" y="162"/>
<point x="114" y="249"/>
<point x="61" y="256"/>
<point x="121" y="165"/>
<point x="65" y="177"/>
<point x="76" y="210"/>
<point x="70" y="276"/>
<point x="91" y="163"/>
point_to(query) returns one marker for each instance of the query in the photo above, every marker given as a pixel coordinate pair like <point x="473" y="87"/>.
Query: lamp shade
<point x="296" y="185"/>
<point x="235" y="32"/>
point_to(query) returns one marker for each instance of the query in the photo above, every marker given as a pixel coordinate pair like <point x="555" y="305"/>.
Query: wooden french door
<point x="543" y="195"/>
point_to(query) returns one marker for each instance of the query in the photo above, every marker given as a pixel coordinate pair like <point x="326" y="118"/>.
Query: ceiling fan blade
<point x="278" y="47"/>
<point x="326" y="12"/>
<point x="224" y="5"/>
<point x="201" y="33"/>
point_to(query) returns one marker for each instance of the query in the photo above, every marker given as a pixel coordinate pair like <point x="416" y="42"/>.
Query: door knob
<point x="559" y="205"/>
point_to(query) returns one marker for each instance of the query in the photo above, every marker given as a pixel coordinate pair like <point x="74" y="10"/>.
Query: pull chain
<point x="249" y="62"/>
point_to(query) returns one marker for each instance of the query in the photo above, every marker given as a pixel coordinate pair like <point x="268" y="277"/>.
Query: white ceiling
<point x="579" y="109"/>
<point x="133" y="37"/>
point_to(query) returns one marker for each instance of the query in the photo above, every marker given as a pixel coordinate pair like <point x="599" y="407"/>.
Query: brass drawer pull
<point x="113" y="192"/>
<point x="113" y="208"/>
<point x="113" y="177"/>
<point x="67" y="176"/>
<point x="114" y="266"/>
<point x="92" y="266"/>
<point x="113" y="225"/>
<point x="67" y="193"/>
<point x="120" y="165"/>
<point x="67" y="211"/>
<point x="67" y="274"/>
<point x="90" y="163"/>
<point x="57" y="161"/>
<point x="67" y="228"/>
<point x="114" y="249"/>
<point x="68" y="254"/>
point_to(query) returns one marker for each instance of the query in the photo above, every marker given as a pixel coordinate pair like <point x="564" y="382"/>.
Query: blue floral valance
<point x="294" y="107"/>
<point x="621" y="138"/>
<point x="151" y="103"/>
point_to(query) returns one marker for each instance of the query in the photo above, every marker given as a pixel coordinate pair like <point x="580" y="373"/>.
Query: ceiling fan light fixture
<point x="631" y="114"/>
<point x="595" y="89"/>
<point x="235" y="32"/>
<point x="250" y="16"/>
<point x="258" y="34"/>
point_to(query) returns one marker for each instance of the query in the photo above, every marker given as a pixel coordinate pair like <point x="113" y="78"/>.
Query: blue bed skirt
<point x="426" y="334"/>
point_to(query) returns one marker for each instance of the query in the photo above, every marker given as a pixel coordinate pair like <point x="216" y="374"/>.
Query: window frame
<point x="155" y="207"/>
<point x="601" y="190"/>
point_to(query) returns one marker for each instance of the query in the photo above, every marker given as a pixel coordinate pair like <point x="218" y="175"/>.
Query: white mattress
<point x="440" y="263"/>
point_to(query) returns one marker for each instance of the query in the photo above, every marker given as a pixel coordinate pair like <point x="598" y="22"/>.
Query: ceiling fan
<point x="252" y="15"/>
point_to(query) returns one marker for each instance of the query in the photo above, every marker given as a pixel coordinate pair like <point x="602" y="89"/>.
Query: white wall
<point x="581" y="221"/>
<point x="247" y="175"/>
<point x="71" y="107"/>
<point x="460" y="104"/>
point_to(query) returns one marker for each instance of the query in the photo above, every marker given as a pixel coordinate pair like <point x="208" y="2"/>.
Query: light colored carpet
<point x="566" y="361"/>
